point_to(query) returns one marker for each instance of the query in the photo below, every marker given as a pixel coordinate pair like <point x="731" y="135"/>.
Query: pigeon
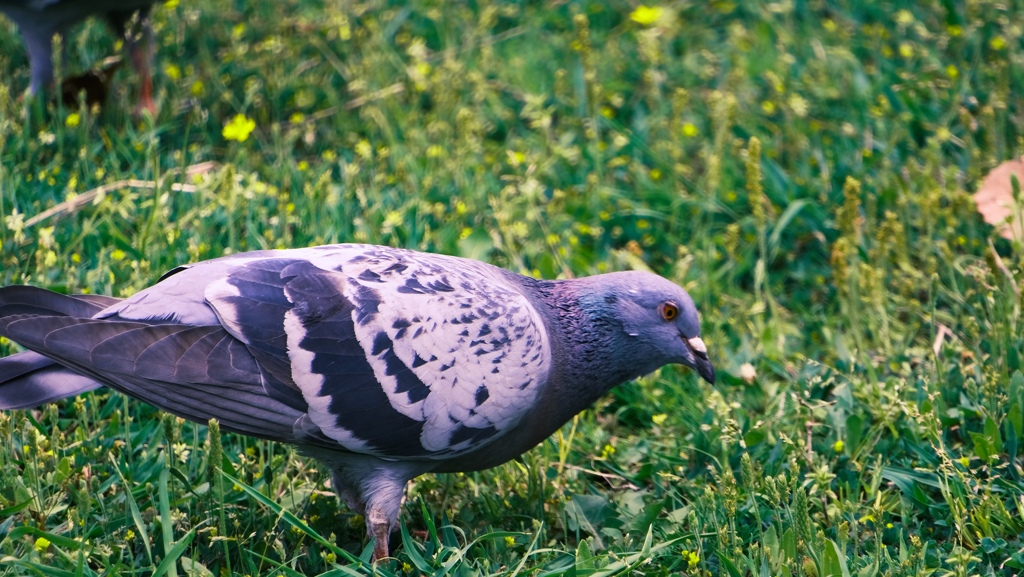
<point x="383" y="363"/>
<point x="39" y="20"/>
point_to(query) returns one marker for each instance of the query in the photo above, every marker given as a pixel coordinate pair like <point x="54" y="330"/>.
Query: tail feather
<point x="30" y="379"/>
<point x="29" y="300"/>
<point x="197" y="373"/>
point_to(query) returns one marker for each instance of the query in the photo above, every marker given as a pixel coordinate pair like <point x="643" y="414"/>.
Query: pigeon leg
<point x="374" y="527"/>
<point x="380" y="532"/>
<point x="375" y="489"/>
<point x="382" y="508"/>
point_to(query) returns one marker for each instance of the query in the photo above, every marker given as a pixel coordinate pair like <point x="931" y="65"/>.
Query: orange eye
<point x="669" y="311"/>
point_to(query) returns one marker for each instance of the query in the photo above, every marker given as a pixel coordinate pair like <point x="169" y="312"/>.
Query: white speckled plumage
<point x="384" y="363"/>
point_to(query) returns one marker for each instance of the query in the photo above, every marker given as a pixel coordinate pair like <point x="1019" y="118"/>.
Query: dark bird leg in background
<point x="39" y="45"/>
<point x="138" y="38"/>
<point x="40" y="58"/>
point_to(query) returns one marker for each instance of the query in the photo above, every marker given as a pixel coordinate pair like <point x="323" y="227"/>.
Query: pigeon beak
<point x="700" y="356"/>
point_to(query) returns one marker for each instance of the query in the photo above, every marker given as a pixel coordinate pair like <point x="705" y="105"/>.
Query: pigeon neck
<point x="591" y="350"/>
<point x="590" y="354"/>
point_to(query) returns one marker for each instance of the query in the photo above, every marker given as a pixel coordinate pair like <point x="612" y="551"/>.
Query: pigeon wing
<point x="197" y="373"/>
<point x="397" y="354"/>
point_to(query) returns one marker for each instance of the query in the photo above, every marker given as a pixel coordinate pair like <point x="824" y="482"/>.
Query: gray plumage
<point x="39" y="20"/>
<point x="383" y="363"/>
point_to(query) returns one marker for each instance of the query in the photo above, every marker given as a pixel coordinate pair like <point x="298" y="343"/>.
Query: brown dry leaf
<point x="995" y="199"/>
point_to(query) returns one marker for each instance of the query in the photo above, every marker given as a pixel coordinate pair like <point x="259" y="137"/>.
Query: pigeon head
<point x="654" y="321"/>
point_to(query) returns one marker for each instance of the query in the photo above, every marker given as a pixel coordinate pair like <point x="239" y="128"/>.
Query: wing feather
<point x="396" y="353"/>
<point x="197" y="373"/>
<point x="29" y="379"/>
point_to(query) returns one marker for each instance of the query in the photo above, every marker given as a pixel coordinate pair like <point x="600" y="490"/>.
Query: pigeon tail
<point x="29" y="379"/>
<point x="195" y="372"/>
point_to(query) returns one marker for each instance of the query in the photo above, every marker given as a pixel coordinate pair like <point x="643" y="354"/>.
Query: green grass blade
<point x="168" y="563"/>
<point x="133" y="507"/>
<point x="289" y="517"/>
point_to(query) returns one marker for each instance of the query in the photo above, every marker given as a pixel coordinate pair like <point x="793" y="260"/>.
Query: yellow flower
<point x="118" y="254"/>
<point x="689" y="129"/>
<point x="198" y="88"/>
<point x="364" y="149"/>
<point x="42" y="544"/>
<point x="296" y="118"/>
<point x="659" y="419"/>
<point x="607" y="451"/>
<point x="839" y="446"/>
<point x="647" y="15"/>
<point x="72" y="120"/>
<point x="173" y="71"/>
<point x="997" y="43"/>
<point x="510" y="541"/>
<point x="239" y="128"/>
<point x="952" y="71"/>
<point x="965" y="461"/>
<point x="799" y="105"/>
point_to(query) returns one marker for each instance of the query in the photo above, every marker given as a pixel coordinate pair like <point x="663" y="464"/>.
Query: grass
<point x="803" y="168"/>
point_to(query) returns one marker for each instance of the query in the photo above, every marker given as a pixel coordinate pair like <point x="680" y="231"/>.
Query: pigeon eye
<point x="669" y="311"/>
